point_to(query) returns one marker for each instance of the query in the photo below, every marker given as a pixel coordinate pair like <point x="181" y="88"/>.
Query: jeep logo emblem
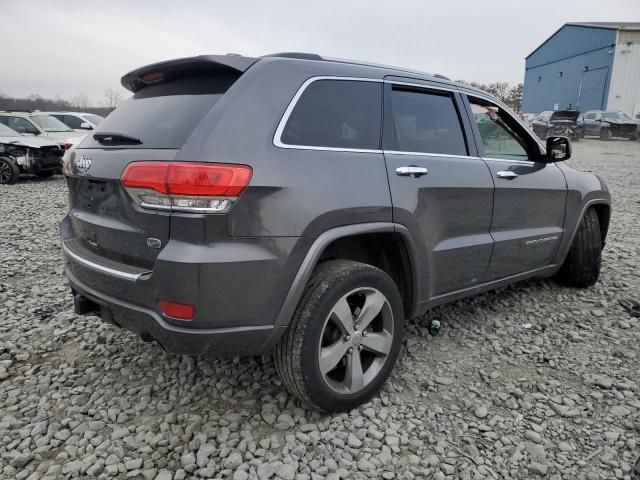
<point x="83" y="164"/>
<point x="154" y="243"/>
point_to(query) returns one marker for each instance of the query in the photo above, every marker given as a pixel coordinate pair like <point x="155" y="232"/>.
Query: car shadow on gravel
<point x="216" y="385"/>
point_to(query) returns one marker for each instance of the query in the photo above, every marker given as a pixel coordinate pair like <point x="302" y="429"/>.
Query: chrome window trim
<point x="277" y="137"/>
<point x="132" y="277"/>
<point x="506" y="160"/>
<point x="522" y="162"/>
<point x="424" y="154"/>
<point x="421" y="85"/>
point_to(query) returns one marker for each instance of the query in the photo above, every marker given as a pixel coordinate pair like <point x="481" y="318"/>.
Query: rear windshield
<point x="164" y="115"/>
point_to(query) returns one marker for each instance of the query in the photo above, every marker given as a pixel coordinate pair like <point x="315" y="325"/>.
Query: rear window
<point x="164" y="115"/>
<point x="337" y="114"/>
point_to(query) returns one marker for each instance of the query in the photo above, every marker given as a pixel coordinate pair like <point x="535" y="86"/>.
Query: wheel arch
<point x="603" y="210"/>
<point x="385" y="245"/>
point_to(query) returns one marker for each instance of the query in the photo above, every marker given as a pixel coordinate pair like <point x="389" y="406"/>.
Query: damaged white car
<point x="20" y="154"/>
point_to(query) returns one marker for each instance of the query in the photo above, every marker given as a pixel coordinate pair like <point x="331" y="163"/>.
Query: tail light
<point x="186" y="186"/>
<point x="67" y="146"/>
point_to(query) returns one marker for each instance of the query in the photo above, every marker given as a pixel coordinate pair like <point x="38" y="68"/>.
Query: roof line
<point x="572" y="24"/>
<point x="570" y="56"/>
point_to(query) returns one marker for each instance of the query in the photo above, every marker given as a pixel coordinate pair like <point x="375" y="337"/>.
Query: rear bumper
<point x="237" y="287"/>
<point x="256" y="340"/>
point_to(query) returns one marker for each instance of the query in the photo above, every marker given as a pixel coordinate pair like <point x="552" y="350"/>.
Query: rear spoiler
<point x="163" y="71"/>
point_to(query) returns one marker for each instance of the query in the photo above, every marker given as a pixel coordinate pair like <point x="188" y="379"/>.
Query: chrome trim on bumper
<point x="132" y="277"/>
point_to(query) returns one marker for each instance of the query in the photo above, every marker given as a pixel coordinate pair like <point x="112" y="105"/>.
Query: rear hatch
<point x="170" y="100"/>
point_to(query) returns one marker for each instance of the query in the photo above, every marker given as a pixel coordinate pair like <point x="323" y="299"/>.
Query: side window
<point x="500" y="138"/>
<point x="71" y="121"/>
<point x="598" y="116"/>
<point x="21" y="125"/>
<point x="590" y="116"/>
<point x="337" y="114"/>
<point x="426" y="122"/>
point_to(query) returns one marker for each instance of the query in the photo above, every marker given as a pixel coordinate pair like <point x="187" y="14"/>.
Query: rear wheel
<point x="581" y="268"/>
<point x="344" y="338"/>
<point x="605" y="134"/>
<point x="9" y="171"/>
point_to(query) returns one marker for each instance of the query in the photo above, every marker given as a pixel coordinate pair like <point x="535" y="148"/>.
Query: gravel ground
<point x="531" y="380"/>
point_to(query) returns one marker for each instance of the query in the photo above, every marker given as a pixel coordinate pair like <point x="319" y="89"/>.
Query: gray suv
<point x="304" y="206"/>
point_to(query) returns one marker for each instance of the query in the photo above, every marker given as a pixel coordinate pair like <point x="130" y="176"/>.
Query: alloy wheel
<point x="5" y="172"/>
<point x="356" y="339"/>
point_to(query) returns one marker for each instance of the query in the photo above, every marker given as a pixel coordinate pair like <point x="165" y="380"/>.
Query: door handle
<point x="411" y="171"/>
<point x="507" y="175"/>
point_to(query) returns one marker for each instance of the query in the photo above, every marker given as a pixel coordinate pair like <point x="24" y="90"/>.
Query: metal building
<point x="589" y="66"/>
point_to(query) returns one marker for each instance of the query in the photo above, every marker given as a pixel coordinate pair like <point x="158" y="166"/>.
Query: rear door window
<point x="343" y="114"/>
<point x="426" y="122"/>
<point x="164" y="115"/>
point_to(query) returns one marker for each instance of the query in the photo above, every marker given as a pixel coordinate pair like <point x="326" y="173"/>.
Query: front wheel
<point x="581" y="268"/>
<point x="344" y="338"/>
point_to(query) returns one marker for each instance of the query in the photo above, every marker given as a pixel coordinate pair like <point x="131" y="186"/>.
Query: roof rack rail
<point x="437" y="75"/>
<point x="298" y="55"/>
<point x="15" y="110"/>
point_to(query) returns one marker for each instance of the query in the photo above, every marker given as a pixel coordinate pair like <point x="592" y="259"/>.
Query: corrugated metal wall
<point x="572" y="68"/>
<point x="624" y="94"/>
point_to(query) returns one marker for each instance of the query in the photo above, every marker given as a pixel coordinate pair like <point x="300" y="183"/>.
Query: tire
<point x="581" y="268"/>
<point x="605" y="134"/>
<point x="45" y="173"/>
<point x="316" y="327"/>
<point x="9" y="171"/>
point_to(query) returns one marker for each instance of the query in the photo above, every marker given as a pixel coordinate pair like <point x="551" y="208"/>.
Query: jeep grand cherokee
<point x="307" y="206"/>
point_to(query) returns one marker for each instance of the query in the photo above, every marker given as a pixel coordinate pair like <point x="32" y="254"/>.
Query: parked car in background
<point x="38" y="124"/>
<point x="560" y="123"/>
<point x="21" y="154"/>
<point x="608" y="125"/>
<point x="269" y="212"/>
<point x="636" y="120"/>
<point x="78" y="121"/>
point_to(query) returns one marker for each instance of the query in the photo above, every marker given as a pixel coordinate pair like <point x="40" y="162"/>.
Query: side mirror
<point x="86" y="126"/>
<point x="558" y="149"/>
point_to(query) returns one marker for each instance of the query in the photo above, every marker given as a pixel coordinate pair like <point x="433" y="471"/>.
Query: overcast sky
<point x="85" y="46"/>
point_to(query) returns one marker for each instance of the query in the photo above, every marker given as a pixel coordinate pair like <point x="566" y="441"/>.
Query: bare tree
<point x="112" y="98"/>
<point x="80" y="101"/>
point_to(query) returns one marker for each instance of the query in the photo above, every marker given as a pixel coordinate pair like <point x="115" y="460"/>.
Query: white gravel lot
<point x="531" y="380"/>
